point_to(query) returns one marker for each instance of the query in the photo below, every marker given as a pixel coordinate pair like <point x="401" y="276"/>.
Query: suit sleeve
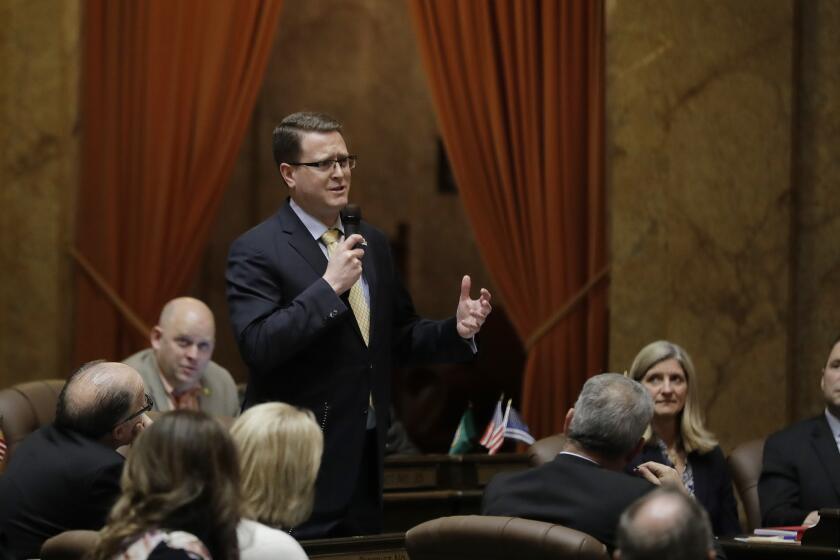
<point x="424" y="341"/>
<point x="103" y="491"/>
<point x="269" y="329"/>
<point x="230" y="398"/>
<point x="778" y="487"/>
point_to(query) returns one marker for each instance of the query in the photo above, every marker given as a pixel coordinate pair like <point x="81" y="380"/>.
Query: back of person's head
<point x="279" y="453"/>
<point x="665" y="524"/>
<point x="287" y="135"/>
<point x="97" y="397"/>
<point x="610" y="415"/>
<point x="182" y="475"/>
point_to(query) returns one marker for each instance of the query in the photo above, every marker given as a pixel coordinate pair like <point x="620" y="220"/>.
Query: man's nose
<point x="192" y="351"/>
<point x="338" y="170"/>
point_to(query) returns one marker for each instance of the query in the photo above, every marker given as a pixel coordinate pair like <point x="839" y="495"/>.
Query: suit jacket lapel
<point x="701" y="480"/>
<point x="301" y="240"/>
<point x="823" y="441"/>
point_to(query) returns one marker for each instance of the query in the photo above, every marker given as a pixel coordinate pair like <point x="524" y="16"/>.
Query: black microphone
<point x="351" y="216"/>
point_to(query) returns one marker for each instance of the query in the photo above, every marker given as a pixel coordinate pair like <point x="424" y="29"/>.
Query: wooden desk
<point x="423" y="487"/>
<point x="392" y="547"/>
<point x="454" y="472"/>
<point x="387" y="546"/>
<point x="737" y="550"/>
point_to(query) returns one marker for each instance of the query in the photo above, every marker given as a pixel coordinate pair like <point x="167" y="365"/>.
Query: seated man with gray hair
<point x="584" y="487"/>
<point x="66" y="475"/>
<point x="665" y="524"/>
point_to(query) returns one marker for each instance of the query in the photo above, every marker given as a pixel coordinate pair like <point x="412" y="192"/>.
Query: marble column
<point x="699" y="144"/>
<point x="817" y="255"/>
<point x="39" y="58"/>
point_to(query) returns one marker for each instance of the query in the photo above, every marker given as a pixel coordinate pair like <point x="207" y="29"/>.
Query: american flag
<point x="493" y="426"/>
<point x="494" y="435"/>
<point x="2" y="444"/>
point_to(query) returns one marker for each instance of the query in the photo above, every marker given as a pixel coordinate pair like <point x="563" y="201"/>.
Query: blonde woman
<point x="677" y="436"/>
<point x="180" y="494"/>
<point x="279" y="455"/>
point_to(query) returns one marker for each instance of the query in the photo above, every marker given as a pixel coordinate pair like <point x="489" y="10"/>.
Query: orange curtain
<point x="167" y="95"/>
<point x="518" y="86"/>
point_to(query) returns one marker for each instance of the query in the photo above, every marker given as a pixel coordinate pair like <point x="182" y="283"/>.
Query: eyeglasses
<point x="150" y="403"/>
<point x="346" y="162"/>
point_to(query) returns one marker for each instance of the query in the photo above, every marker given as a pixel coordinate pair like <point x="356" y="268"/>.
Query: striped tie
<point x="356" y="297"/>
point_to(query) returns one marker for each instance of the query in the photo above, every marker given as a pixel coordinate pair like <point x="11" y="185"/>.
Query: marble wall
<point x="39" y="78"/>
<point x="721" y="131"/>
<point x="817" y="219"/>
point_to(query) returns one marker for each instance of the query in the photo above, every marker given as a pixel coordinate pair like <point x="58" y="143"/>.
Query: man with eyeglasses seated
<point x="177" y="369"/>
<point x="66" y="475"/>
<point x="321" y="322"/>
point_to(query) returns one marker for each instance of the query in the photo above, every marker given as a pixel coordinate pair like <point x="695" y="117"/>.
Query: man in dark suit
<point x="321" y="321"/>
<point x="801" y="470"/>
<point x="584" y="487"/>
<point x="66" y="475"/>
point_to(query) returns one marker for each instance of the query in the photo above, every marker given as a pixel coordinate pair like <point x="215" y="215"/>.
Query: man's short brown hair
<point x="285" y="139"/>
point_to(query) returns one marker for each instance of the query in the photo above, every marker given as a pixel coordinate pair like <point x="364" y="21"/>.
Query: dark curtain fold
<point x="168" y="92"/>
<point x="518" y="87"/>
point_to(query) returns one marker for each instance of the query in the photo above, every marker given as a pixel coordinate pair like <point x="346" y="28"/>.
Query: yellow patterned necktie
<point x="356" y="296"/>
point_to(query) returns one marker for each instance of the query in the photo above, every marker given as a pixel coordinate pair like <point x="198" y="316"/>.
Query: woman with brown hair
<point x="180" y="495"/>
<point x="677" y="436"/>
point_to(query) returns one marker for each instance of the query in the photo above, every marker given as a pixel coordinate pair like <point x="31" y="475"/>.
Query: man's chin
<point x="188" y="380"/>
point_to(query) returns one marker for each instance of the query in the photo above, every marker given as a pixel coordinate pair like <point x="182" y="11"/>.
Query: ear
<point x="286" y="172"/>
<point x="155" y="337"/>
<point x="567" y="423"/>
<point x="125" y="433"/>
<point x="822" y="380"/>
<point x="122" y="433"/>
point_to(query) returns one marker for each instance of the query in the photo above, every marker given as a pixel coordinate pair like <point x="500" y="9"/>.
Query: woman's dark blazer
<point x="712" y="486"/>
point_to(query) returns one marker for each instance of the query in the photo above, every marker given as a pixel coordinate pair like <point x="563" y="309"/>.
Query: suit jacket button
<point x="333" y="313"/>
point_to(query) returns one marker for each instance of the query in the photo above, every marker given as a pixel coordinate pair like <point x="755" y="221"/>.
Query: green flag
<point x="462" y="442"/>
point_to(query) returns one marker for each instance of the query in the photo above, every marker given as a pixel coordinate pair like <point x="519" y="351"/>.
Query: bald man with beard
<point x="66" y="475"/>
<point x="177" y="369"/>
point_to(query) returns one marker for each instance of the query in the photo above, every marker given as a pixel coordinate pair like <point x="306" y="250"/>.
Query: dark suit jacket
<point x="712" y="486"/>
<point x="801" y="473"/>
<point x="303" y="346"/>
<point x="57" y="480"/>
<point x="568" y="491"/>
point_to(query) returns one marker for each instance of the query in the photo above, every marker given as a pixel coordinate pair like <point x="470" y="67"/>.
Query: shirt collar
<point x="834" y="424"/>
<point x="313" y="225"/>
<point x="579" y="455"/>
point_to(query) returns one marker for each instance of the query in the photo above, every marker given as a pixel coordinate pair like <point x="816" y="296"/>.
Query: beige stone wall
<point x="722" y="140"/>
<point x="39" y="78"/>
<point x="817" y="182"/>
